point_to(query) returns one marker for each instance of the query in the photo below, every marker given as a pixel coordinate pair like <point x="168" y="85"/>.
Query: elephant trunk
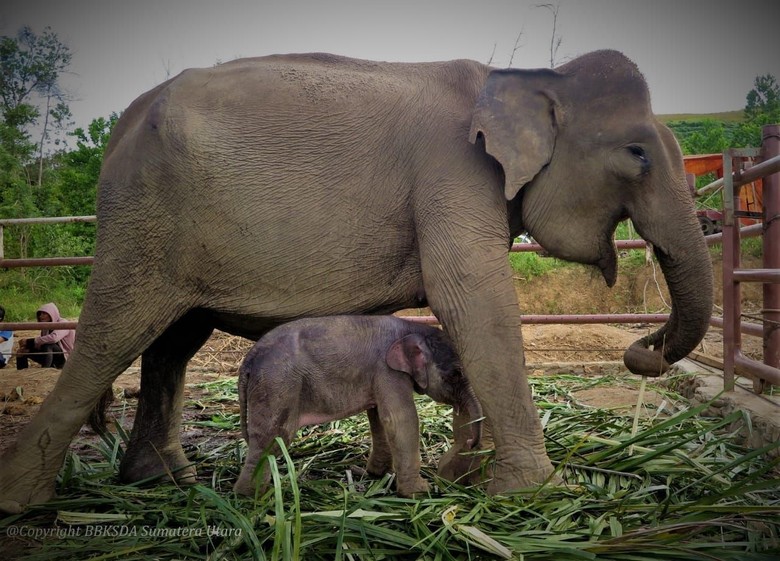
<point x="689" y="278"/>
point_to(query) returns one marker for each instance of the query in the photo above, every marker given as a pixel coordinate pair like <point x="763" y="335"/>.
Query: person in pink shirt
<point x="52" y="347"/>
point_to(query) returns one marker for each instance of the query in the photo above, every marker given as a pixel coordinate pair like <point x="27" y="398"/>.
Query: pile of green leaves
<point x="681" y="488"/>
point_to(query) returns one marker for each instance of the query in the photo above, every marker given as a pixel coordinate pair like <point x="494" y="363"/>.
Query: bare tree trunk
<point x="555" y="41"/>
<point x="515" y="49"/>
<point x="44" y="133"/>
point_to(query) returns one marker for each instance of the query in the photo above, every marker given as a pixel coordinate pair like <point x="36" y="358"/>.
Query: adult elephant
<point x="245" y="195"/>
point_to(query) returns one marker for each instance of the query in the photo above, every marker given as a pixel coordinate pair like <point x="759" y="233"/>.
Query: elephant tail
<point x="98" y="417"/>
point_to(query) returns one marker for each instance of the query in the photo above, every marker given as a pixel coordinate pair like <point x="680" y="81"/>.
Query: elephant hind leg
<point x="380" y="461"/>
<point x="97" y="418"/>
<point x="107" y="342"/>
<point x="155" y="446"/>
<point x="264" y="423"/>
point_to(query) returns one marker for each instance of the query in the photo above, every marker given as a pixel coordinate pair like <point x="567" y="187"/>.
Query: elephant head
<point x="436" y="370"/>
<point x="581" y="151"/>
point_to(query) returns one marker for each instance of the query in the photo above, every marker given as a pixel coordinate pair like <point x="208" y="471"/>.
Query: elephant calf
<point x="316" y="370"/>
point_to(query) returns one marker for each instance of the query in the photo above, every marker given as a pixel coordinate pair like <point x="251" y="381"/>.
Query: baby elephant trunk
<point x="473" y="409"/>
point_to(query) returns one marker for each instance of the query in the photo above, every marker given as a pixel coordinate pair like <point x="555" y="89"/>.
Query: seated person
<point x="52" y="347"/>
<point x="6" y="342"/>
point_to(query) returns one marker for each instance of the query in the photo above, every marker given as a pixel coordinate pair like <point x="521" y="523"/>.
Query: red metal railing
<point x="767" y="371"/>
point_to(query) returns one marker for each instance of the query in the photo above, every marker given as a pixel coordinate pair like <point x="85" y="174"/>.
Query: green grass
<point x="689" y="491"/>
<point x="528" y="265"/>
<point x="752" y="247"/>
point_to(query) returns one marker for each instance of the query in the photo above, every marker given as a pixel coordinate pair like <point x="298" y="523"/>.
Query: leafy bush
<point x="22" y="291"/>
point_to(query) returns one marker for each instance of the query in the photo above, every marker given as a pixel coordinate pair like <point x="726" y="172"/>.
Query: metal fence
<point x="761" y="373"/>
<point x="734" y="361"/>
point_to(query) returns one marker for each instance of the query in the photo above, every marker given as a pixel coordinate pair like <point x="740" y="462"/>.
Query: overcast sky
<point x="698" y="56"/>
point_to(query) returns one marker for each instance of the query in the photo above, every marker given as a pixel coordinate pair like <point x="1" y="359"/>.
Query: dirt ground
<point x="569" y="290"/>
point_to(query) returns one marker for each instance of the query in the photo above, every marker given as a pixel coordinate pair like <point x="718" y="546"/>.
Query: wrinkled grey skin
<point x="255" y="192"/>
<point x="317" y="370"/>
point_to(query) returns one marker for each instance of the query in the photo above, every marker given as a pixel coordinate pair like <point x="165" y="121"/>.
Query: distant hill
<point x="726" y="117"/>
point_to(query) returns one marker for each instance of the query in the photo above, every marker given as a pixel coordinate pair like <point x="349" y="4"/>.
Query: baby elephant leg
<point x="398" y="417"/>
<point x="261" y="435"/>
<point x="380" y="461"/>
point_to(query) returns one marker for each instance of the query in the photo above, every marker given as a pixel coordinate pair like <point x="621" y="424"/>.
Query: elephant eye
<point x="638" y="152"/>
<point x="641" y="156"/>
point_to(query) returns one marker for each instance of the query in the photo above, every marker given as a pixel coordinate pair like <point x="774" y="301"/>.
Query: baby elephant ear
<point x="516" y="115"/>
<point x="410" y="355"/>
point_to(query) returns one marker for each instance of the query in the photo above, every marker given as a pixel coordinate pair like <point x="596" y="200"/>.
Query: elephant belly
<point x="251" y="310"/>
<point x="318" y="418"/>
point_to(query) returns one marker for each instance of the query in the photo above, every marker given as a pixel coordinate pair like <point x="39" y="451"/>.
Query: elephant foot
<point x="511" y="478"/>
<point x="26" y="479"/>
<point x="249" y="486"/>
<point x="410" y="489"/>
<point x="378" y="466"/>
<point x="249" y="489"/>
<point x="142" y="463"/>
<point x="463" y="468"/>
<point x="22" y="493"/>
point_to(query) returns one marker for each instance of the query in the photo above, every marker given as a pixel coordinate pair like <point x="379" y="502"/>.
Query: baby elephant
<point x="317" y="370"/>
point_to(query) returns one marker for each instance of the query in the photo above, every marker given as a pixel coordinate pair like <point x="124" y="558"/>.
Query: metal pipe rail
<point x="42" y="261"/>
<point x="542" y="319"/>
<point x="753" y="329"/>
<point x="754" y="230"/>
<point x="758" y="171"/>
<point x="35" y="325"/>
<point x="47" y="220"/>
<point x="767" y="371"/>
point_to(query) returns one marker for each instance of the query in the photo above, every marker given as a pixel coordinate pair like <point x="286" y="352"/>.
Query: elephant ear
<point x="517" y="115"/>
<point x="410" y="355"/>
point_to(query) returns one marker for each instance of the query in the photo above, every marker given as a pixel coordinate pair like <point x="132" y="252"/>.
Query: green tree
<point x="73" y="193"/>
<point x="764" y="99"/>
<point x="708" y="136"/>
<point x="30" y="94"/>
<point x="762" y="107"/>
<point x="79" y="169"/>
<point x="31" y="100"/>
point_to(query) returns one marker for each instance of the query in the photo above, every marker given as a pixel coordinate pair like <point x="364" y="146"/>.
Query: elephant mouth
<point x="607" y="263"/>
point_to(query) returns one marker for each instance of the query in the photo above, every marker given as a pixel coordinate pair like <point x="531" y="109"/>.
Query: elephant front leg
<point x="469" y="286"/>
<point x="496" y="370"/>
<point x="398" y="416"/>
<point x="155" y="445"/>
<point x="29" y="467"/>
